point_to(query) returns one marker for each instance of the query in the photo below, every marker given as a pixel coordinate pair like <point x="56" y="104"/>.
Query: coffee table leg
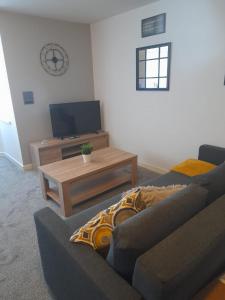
<point x="44" y="185"/>
<point x="64" y="198"/>
<point x="134" y="171"/>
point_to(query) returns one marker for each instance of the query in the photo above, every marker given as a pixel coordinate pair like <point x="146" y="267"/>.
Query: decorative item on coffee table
<point x="86" y="150"/>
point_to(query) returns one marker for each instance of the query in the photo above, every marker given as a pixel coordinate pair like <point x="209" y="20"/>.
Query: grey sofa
<point x="175" y="268"/>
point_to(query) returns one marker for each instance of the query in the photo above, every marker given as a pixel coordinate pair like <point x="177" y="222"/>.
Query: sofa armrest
<point x="75" y="271"/>
<point x="212" y="154"/>
<point x="186" y="260"/>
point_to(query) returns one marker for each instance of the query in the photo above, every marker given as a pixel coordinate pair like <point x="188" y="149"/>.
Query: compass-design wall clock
<point x="54" y="59"/>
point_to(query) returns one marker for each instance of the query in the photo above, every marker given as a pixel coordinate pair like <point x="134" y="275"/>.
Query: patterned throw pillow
<point x="98" y="231"/>
<point x="153" y="194"/>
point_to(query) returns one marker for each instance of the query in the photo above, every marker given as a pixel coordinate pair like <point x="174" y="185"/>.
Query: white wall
<point x="164" y="127"/>
<point x="1" y="143"/>
<point x="22" y="38"/>
<point x="9" y="141"/>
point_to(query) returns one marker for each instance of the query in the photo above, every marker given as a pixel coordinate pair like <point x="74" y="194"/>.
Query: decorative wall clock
<point x="54" y="59"/>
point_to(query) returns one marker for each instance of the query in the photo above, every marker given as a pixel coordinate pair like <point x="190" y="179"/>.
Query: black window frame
<point x="169" y="44"/>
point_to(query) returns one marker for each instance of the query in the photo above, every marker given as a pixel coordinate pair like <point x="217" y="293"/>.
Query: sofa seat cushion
<point x="138" y="234"/>
<point x="213" y="181"/>
<point x="169" y="179"/>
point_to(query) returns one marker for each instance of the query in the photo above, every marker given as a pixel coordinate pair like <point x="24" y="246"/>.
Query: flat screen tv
<point x="71" y="119"/>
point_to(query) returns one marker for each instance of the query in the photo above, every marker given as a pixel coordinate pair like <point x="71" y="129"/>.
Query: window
<point x="153" y="67"/>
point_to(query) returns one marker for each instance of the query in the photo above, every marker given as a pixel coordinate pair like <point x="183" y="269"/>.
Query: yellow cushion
<point x="98" y="231"/>
<point x="154" y="194"/>
<point x="215" y="290"/>
<point x="193" y="167"/>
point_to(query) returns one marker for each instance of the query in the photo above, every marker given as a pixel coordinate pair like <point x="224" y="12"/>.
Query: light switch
<point x="28" y="97"/>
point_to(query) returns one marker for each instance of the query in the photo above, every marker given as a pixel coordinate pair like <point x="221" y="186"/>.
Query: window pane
<point x="164" y="51"/>
<point x="152" y="83"/>
<point x="163" y="67"/>
<point x="152" y="68"/>
<point x="152" y="53"/>
<point x="141" y="83"/>
<point x="162" y="83"/>
<point x="141" y="69"/>
<point x="142" y="54"/>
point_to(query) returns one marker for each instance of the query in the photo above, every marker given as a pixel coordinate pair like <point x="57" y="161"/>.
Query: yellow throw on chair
<point x="193" y="167"/>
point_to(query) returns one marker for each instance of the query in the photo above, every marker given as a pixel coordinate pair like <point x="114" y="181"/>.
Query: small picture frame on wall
<point x="153" y="25"/>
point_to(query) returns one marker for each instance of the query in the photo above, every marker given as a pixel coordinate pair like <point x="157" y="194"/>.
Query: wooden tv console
<point x="52" y="150"/>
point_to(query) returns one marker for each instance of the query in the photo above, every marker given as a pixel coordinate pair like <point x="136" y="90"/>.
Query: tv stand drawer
<point x="50" y="155"/>
<point x="99" y="143"/>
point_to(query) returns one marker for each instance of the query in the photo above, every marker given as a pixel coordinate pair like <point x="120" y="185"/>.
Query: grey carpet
<point x="20" y="196"/>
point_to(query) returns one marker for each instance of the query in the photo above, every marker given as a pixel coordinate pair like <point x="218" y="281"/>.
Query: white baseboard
<point x="16" y="162"/>
<point x="153" y="168"/>
<point x="12" y="159"/>
<point x="28" y="167"/>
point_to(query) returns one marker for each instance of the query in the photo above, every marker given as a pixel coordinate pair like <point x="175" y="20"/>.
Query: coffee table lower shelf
<point x="87" y="189"/>
<point x="82" y="193"/>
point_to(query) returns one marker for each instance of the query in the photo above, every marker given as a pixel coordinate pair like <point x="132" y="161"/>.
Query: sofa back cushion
<point x="212" y="154"/>
<point x="213" y="181"/>
<point x="186" y="260"/>
<point x="141" y="232"/>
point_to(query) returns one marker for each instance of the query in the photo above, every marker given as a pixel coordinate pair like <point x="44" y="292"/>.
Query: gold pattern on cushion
<point x="98" y="231"/>
<point x="222" y="278"/>
<point x="151" y="195"/>
<point x="193" y="167"/>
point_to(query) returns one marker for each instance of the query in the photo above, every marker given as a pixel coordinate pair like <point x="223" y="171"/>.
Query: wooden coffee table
<point x="103" y="173"/>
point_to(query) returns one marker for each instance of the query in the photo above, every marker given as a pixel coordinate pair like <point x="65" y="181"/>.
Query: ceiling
<point x="83" y="11"/>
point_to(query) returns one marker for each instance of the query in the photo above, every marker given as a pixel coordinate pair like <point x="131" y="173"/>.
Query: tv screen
<point x="70" y="119"/>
